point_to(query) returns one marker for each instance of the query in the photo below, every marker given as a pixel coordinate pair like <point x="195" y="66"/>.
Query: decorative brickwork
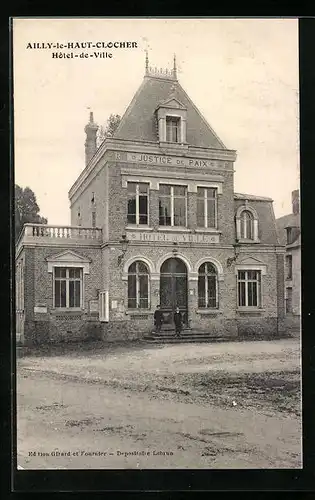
<point x="102" y="189"/>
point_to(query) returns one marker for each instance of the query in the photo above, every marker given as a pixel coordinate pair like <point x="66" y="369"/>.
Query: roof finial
<point x="146" y="62"/>
<point x="175" y="68"/>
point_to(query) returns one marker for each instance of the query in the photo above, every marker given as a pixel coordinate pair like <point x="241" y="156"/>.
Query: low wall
<point x="64" y="328"/>
<point x="290" y="325"/>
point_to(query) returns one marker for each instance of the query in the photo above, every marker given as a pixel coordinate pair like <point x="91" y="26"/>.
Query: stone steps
<point x="168" y="336"/>
<point x="183" y="340"/>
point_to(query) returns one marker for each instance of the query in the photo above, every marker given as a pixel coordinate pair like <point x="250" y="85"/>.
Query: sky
<point x="242" y="74"/>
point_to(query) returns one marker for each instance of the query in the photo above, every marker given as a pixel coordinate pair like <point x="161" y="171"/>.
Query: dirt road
<point x="80" y="411"/>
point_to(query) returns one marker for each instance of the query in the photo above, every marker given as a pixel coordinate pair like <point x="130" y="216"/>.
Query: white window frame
<point x="289" y="266"/>
<point x="137" y="202"/>
<point x="207" y="288"/>
<point x="289" y="235"/>
<point x="172" y="202"/>
<point x="67" y="279"/>
<point x="249" y="216"/>
<point x="205" y="199"/>
<point x="137" y="297"/>
<point x="246" y="281"/>
<point x="178" y="118"/>
<point x="239" y="213"/>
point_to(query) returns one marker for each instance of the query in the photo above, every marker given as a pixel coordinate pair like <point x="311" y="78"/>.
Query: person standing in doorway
<point x="178" y="320"/>
<point x="158" y="319"/>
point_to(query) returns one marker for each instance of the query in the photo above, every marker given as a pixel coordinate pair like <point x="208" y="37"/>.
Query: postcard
<point x="157" y="243"/>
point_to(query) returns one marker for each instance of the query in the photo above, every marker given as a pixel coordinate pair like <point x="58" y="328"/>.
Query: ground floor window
<point x="68" y="287"/>
<point x="249" y="288"/>
<point x="207" y="286"/>
<point x="288" y="261"/>
<point x="138" y="286"/>
<point x="288" y="301"/>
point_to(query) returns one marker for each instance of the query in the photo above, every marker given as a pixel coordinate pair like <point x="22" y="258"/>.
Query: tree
<point x="26" y="209"/>
<point x="109" y="129"/>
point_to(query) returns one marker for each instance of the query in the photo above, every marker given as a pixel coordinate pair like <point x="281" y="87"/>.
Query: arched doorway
<point x="173" y="290"/>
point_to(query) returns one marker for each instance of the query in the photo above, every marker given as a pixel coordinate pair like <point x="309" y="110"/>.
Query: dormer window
<point x="292" y="234"/>
<point x="171" y="118"/>
<point x="289" y="235"/>
<point x="247" y="224"/>
<point x="173" y="129"/>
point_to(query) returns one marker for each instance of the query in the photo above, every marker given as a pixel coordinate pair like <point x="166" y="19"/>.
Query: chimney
<point x="295" y="202"/>
<point x="90" y="142"/>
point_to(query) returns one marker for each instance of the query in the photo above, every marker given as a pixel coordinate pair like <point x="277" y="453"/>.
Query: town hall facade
<point x="154" y="221"/>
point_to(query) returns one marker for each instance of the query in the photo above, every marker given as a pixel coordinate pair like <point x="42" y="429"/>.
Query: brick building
<point x="154" y="220"/>
<point x="289" y="233"/>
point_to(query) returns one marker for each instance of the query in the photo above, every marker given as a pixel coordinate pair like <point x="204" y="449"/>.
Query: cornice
<point x="176" y="174"/>
<point x="60" y="244"/>
<point x="122" y="145"/>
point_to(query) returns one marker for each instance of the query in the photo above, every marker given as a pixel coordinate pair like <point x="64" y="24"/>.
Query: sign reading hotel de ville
<point x="147" y="236"/>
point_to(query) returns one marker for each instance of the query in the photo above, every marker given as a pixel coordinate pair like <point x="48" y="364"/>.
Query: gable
<point x="251" y="264"/>
<point x="251" y="261"/>
<point x="68" y="259"/>
<point x="139" y="121"/>
<point x="67" y="256"/>
<point x="172" y="103"/>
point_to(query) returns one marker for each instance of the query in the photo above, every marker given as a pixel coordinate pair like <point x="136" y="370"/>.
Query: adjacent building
<point x="289" y="232"/>
<point x="154" y="220"/>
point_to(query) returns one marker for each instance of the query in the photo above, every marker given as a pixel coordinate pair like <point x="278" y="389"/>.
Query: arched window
<point x="207" y="286"/>
<point x="138" y="286"/>
<point x="247" y="225"/>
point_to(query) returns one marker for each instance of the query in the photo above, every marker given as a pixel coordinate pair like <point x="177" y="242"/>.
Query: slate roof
<point x="139" y="122"/>
<point x="242" y="196"/>
<point x="296" y="243"/>
<point x="267" y="231"/>
<point x="290" y="220"/>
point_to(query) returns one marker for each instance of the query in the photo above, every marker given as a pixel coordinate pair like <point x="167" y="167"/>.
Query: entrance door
<point x="173" y="290"/>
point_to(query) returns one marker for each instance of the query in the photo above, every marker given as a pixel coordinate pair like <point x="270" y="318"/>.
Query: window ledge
<point x="210" y="312"/>
<point x="75" y="309"/>
<point x="179" y="229"/>
<point x="173" y="145"/>
<point x="207" y="230"/>
<point x="250" y="310"/>
<point x="67" y="310"/>
<point x="139" y="228"/>
<point x="138" y="312"/>
<point x="248" y="241"/>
